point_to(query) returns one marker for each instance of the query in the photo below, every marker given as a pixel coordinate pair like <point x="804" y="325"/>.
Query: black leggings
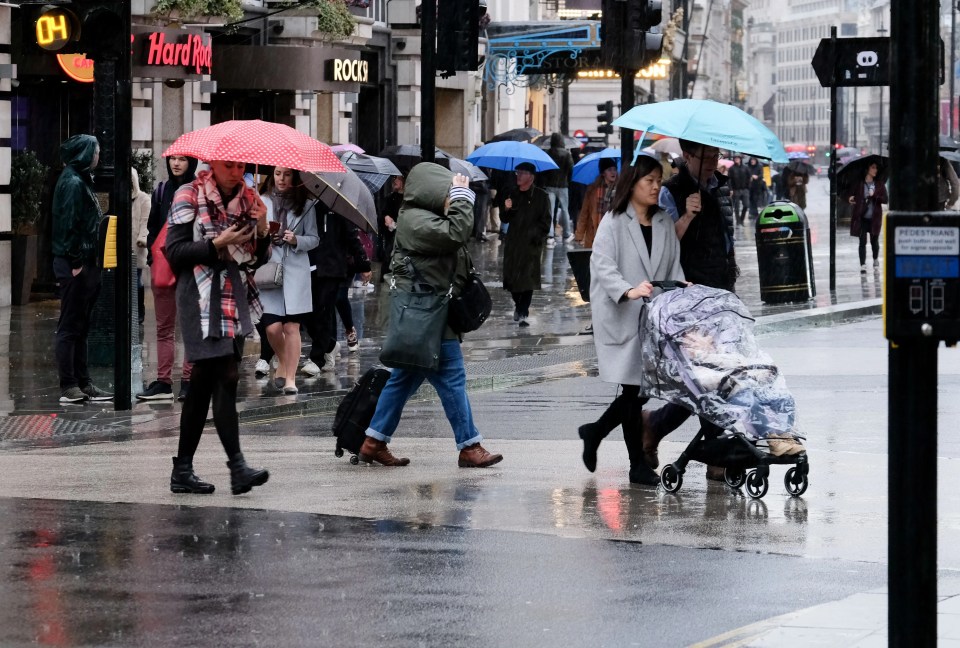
<point x="215" y="378"/>
<point x="874" y="243"/>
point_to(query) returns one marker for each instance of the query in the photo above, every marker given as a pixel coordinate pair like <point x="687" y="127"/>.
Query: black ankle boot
<point x="591" y="442"/>
<point x="243" y="477"/>
<point x="184" y="480"/>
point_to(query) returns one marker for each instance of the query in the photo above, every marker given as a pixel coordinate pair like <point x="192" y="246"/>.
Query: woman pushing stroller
<point x="636" y="244"/>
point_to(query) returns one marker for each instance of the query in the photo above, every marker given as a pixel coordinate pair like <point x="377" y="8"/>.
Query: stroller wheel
<point x="734" y="477"/>
<point x="757" y="485"/>
<point x="795" y="487"/>
<point x="338" y="453"/>
<point x="671" y="479"/>
<point x="354" y="459"/>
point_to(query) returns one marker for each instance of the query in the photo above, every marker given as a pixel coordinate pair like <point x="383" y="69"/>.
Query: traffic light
<point x="458" y="34"/>
<point x="605" y="118"/>
<point x="643" y="39"/>
<point x="91" y="27"/>
<point x="611" y="32"/>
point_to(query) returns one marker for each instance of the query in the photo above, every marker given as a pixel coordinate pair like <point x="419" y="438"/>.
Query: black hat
<point x="606" y="163"/>
<point x="526" y="166"/>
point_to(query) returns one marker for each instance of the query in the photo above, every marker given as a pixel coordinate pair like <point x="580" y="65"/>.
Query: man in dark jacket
<point x="526" y="209"/>
<point x="338" y="238"/>
<point x="693" y="198"/>
<point x="76" y="222"/>
<point x="740" y="185"/>
<point x="555" y="183"/>
<point x="758" y="187"/>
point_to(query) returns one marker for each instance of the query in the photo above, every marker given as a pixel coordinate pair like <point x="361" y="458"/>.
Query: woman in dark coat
<point x="216" y="237"/>
<point x="526" y="209"/>
<point x="867" y="198"/>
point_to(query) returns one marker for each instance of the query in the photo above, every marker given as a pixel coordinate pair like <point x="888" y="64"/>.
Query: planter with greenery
<point x="143" y="162"/>
<point x="27" y="175"/>
<point x="230" y="10"/>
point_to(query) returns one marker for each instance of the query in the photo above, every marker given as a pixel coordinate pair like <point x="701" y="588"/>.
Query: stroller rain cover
<point x="699" y="352"/>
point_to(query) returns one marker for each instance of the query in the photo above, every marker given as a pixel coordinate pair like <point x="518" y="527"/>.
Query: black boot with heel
<point x="184" y="480"/>
<point x="640" y="472"/>
<point x="594" y="433"/>
<point x="243" y="477"/>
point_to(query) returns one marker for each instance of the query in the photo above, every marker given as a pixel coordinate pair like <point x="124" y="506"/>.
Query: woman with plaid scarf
<point x="217" y="236"/>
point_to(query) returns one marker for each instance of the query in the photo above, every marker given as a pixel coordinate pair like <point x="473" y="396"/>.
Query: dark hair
<point x="690" y="147"/>
<point x="644" y="165"/>
<point x="298" y="191"/>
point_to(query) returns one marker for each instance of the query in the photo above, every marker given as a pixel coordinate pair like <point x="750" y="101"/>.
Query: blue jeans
<point x="561" y="194"/>
<point x="450" y="381"/>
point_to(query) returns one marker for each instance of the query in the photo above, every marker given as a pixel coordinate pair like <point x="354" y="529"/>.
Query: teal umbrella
<point x="706" y="122"/>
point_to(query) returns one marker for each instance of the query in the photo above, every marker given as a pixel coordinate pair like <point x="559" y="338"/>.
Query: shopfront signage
<point x="76" y="66"/>
<point x="186" y="51"/>
<point x="349" y="70"/>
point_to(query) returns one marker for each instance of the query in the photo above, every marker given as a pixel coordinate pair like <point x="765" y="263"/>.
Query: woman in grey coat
<point x="287" y="306"/>
<point x="636" y="243"/>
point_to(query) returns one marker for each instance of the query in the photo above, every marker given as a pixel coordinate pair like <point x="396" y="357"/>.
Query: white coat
<point x="139" y="215"/>
<point x="294" y="297"/>
<point x="618" y="263"/>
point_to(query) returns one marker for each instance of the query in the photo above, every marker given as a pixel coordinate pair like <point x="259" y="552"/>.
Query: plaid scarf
<point x="200" y="202"/>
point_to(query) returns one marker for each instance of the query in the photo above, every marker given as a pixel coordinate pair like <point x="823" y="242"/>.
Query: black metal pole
<point x="684" y="71"/>
<point x="912" y="387"/>
<point x="126" y="286"/>
<point x="833" y="174"/>
<point x="627" y="98"/>
<point x="565" y="106"/>
<point x="953" y="64"/>
<point x="428" y="70"/>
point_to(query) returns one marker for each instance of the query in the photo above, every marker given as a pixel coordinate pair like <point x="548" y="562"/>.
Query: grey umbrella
<point x="374" y="171"/>
<point x="517" y="135"/>
<point x="468" y="169"/>
<point x="344" y="194"/>
<point x="568" y="142"/>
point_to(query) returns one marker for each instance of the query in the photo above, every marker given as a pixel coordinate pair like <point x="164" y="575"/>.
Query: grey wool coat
<point x="618" y="263"/>
<point x="294" y="297"/>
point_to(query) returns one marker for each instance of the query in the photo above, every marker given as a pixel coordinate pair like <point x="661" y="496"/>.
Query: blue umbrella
<point x="706" y="122"/>
<point x="507" y="155"/>
<point x="588" y="169"/>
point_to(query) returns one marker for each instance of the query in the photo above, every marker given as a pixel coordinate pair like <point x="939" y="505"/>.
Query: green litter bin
<point x="784" y="254"/>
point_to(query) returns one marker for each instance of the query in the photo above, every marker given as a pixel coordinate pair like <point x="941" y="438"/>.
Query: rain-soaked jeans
<point x="450" y="381"/>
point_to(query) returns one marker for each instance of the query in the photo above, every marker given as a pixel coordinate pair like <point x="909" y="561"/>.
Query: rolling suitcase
<point x="356" y="411"/>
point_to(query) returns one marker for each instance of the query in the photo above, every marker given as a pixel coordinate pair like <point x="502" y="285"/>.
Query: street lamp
<point x="882" y="31"/>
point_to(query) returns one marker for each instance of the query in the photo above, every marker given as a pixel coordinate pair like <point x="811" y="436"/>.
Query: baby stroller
<point x="699" y="352"/>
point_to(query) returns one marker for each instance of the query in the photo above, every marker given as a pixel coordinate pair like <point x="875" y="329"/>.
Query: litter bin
<point x="580" y="264"/>
<point x="784" y="254"/>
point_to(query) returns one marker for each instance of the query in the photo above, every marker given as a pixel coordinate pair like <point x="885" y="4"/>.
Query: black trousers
<point x="521" y="301"/>
<point x="343" y="307"/>
<point x="874" y="243"/>
<point x="322" y="325"/>
<point x="78" y="296"/>
<point x="212" y="379"/>
<point x="669" y="417"/>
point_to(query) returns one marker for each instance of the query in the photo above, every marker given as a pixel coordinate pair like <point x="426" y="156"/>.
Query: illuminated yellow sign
<point x="76" y="66"/>
<point x="658" y="71"/>
<point x="55" y="28"/>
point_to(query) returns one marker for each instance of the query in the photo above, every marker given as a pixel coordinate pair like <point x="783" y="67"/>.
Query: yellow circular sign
<point x="77" y="66"/>
<point x="55" y="27"/>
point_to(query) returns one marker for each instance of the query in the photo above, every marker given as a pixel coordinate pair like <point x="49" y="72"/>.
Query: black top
<point x="648" y="236"/>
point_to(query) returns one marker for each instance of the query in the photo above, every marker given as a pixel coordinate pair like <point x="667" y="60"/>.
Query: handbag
<point x="418" y="318"/>
<point x="269" y="275"/>
<point x="471" y="308"/>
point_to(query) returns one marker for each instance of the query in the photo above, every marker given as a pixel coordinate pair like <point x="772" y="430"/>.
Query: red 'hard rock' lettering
<point x="191" y="53"/>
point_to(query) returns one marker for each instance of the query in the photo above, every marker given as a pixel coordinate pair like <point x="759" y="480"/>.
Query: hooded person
<point x="435" y="224"/>
<point x="76" y="222"/>
<point x="181" y="170"/>
<point x="597" y="201"/>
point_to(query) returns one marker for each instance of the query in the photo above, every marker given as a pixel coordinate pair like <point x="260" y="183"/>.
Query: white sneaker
<point x="568" y="238"/>
<point x="310" y="368"/>
<point x="262" y="368"/>
<point x="551" y="242"/>
<point x="353" y="342"/>
<point x="330" y="359"/>
<point x="876" y="263"/>
<point x="863" y="269"/>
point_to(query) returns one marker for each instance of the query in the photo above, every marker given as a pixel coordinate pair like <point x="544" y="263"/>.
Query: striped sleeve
<point x="462" y="193"/>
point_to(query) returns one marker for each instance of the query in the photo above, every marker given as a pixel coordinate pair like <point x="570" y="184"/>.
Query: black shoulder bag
<point x="471" y="308"/>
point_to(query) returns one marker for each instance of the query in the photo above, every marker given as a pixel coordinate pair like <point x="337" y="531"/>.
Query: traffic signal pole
<point x="833" y="177"/>
<point x="428" y="72"/>
<point x="627" y="98"/>
<point x="912" y="388"/>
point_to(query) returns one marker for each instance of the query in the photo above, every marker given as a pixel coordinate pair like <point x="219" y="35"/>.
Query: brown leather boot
<point x="374" y="450"/>
<point x="715" y="473"/>
<point x="476" y="457"/>
<point x="651" y="441"/>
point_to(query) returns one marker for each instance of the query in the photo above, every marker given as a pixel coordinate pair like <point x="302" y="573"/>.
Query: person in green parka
<point x="76" y="222"/>
<point x="526" y="209"/>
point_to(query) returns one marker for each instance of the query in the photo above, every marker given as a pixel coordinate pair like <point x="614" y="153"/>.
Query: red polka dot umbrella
<point x="257" y="142"/>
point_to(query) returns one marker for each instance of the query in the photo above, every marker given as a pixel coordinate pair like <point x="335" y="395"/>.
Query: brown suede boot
<point x="374" y="450"/>
<point x="476" y="456"/>
<point x="651" y="441"/>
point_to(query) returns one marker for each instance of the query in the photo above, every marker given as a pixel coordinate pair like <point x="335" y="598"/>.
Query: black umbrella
<point x="568" y="142"/>
<point x="374" y="171"/>
<point x="801" y="167"/>
<point x="517" y="135"/>
<point x="407" y="156"/>
<point x="856" y="169"/>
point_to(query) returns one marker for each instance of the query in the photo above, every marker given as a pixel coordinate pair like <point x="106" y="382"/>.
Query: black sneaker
<point x="94" y="393"/>
<point x="157" y="390"/>
<point x="72" y="395"/>
<point x="184" y="390"/>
